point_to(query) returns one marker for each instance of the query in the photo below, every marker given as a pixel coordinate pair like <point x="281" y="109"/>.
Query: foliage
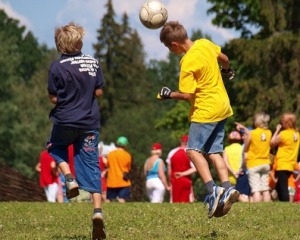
<point x="120" y="53"/>
<point x="145" y="221"/>
<point x="269" y="16"/>
<point x="268" y="78"/>
<point x="20" y="60"/>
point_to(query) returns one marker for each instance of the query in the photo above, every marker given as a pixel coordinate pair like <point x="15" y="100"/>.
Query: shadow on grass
<point x="71" y="238"/>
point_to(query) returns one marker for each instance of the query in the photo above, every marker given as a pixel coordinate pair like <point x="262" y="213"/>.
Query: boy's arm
<point x="226" y="71"/>
<point x="223" y="59"/>
<point x="53" y="98"/>
<point x="166" y="93"/>
<point x="98" y="92"/>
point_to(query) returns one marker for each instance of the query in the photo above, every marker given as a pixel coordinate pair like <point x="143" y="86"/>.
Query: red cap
<point x="156" y="146"/>
<point x="184" y="138"/>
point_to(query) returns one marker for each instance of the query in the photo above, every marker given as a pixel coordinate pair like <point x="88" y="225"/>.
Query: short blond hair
<point x="173" y="32"/>
<point x="288" y="121"/>
<point x="68" y="39"/>
<point x="262" y="119"/>
<point x="156" y="151"/>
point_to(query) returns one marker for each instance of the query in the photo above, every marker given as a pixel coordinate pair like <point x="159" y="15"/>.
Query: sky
<point x="41" y="17"/>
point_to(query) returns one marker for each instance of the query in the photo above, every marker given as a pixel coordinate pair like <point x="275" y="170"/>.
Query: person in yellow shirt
<point x="287" y="141"/>
<point x="119" y="165"/>
<point x="232" y="155"/>
<point x="257" y="147"/>
<point x="201" y="83"/>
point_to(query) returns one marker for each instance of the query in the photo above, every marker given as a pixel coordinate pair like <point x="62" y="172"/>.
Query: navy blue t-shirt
<point x="73" y="79"/>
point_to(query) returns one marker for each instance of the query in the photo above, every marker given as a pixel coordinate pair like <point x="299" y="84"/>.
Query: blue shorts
<point x="122" y="192"/>
<point x="206" y="136"/>
<point x="86" y="155"/>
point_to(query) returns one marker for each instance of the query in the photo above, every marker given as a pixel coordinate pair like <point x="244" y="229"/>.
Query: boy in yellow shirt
<point x="201" y="83"/>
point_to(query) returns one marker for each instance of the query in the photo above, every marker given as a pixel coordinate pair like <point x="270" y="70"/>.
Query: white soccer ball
<point x="153" y="14"/>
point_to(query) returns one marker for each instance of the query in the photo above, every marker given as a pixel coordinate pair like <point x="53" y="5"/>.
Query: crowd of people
<point x="76" y="80"/>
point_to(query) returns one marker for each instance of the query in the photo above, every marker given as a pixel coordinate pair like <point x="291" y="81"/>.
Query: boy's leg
<point x="201" y="165"/>
<point x="220" y="166"/>
<point x="213" y="147"/>
<point x="98" y="232"/>
<point x="61" y="137"/>
<point x="215" y="192"/>
<point x="231" y="195"/>
<point x="88" y="175"/>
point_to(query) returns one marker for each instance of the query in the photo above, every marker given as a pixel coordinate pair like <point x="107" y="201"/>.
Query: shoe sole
<point x="224" y="209"/>
<point x="73" y="192"/>
<point x="211" y="214"/>
<point x="98" y="232"/>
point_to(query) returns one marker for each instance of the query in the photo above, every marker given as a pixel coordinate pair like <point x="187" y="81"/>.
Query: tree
<point x="267" y="63"/>
<point x="120" y="53"/>
<point x="19" y="61"/>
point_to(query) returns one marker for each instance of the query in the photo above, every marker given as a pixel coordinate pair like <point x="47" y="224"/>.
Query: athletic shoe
<point x="72" y="188"/>
<point x="213" y="199"/>
<point x="98" y="227"/>
<point x="230" y="197"/>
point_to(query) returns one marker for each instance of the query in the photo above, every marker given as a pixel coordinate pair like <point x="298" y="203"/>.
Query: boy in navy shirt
<point x="74" y="82"/>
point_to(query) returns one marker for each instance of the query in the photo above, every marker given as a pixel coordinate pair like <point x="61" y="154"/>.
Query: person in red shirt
<point x="180" y="169"/>
<point x="48" y="175"/>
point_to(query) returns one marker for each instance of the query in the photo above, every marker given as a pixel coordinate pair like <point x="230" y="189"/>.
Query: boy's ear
<point x="175" y="44"/>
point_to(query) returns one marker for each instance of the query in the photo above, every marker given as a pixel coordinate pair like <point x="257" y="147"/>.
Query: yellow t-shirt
<point x="287" y="152"/>
<point x="118" y="162"/>
<point x="259" y="149"/>
<point x="234" y="155"/>
<point x="200" y="76"/>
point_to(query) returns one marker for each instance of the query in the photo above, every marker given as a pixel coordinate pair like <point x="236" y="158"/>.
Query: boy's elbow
<point x="98" y="93"/>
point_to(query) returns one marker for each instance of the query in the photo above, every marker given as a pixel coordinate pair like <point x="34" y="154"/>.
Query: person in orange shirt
<point x="292" y="182"/>
<point x="287" y="141"/>
<point x="119" y="165"/>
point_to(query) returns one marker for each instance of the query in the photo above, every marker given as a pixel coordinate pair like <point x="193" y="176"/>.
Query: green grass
<point x="145" y="221"/>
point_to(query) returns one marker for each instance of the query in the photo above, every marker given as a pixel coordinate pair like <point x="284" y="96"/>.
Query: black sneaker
<point x="98" y="227"/>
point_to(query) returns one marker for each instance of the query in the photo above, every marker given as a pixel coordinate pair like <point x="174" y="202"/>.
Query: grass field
<point x="145" y="221"/>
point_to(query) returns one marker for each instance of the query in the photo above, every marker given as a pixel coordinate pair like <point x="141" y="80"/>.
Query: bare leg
<point x="121" y="200"/>
<point x="96" y="198"/>
<point x="201" y="165"/>
<point x="220" y="166"/>
<point x="266" y="196"/>
<point x="257" y="197"/>
<point x="65" y="168"/>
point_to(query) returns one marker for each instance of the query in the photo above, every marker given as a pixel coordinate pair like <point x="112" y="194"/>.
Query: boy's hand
<point x="227" y="73"/>
<point x="164" y="93"/>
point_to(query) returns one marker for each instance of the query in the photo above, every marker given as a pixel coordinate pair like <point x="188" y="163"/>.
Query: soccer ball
<point x="153" y="14"/>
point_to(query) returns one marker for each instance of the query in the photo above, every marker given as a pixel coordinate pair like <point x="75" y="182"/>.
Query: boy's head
<point x="68" y="39"/>
<point x="173" y="33"/>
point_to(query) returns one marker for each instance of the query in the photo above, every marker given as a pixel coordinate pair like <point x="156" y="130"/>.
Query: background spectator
<point x="48" y="175"/>
<point x="154" y="171"/>
<point x="119" y="165"/>
<point x="287" y="141"/>
<point x="180" y="170"/>
<point x="257" y="147"/>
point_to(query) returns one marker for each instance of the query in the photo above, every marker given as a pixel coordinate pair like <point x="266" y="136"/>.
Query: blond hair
<point x="68" y="39"/>
<point x="288" y="121"/>
<point x="262" y="120"/>
<point x="173" y="32"/>
<point x="156" y="151"/>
